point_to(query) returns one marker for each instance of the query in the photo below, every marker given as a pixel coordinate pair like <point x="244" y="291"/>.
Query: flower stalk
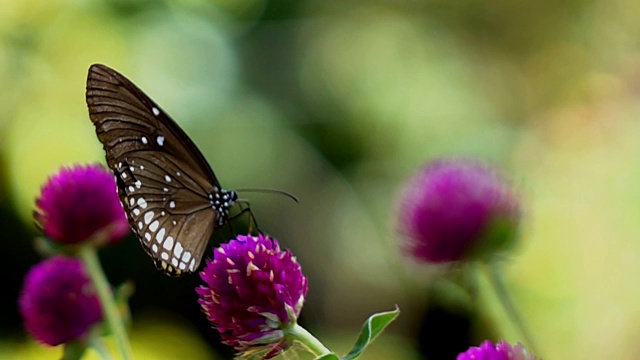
<point x="310" y="342"/>
<point x="110" y="309"/>
<point x="497" y="281"/>
<point x="99" y="347"/>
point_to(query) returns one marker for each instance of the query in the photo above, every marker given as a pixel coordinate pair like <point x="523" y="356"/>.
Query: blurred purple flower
<point x="455" y="209"/>
<point x="76" y="203"/>
<point x="253" y="291"/>
<point x="501" y="351"/>
<point x="58" y="301"/>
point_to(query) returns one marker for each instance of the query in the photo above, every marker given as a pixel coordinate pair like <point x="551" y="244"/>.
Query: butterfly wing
<point x="164" y="181"/>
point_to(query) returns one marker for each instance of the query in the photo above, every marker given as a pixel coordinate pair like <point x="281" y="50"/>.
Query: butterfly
<point x="172" y="198"/>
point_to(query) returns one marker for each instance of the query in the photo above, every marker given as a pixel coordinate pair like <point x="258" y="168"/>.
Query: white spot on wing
<point x="154" y="247"/>
<point x="160" y="140"/>
<point x="160" y="236"/>
<point x="155" y="111"/>
<point x="182" y="266"/>
<point x="144" y="140"/>
<point x="172" y="204"/>
<point x="142" y="203"/>
<point x="131" y="201"/>
<point x="177" y="251"/>
<point x="131" y="189"/>
<point x="168" y="244"/>
<point x="165" y="189"/>
<point x="147" y="217"/>
<point x="167" y="178"/>
<point x="136" y="211"/>
<point x="147" y="236"/>
<point x="164" y="256"/>
<point x="140" y="225"/>
<point x="186" y="256"/>
<point x="154" y="226"/>
<point x="174" y="262"/>
<point x="192" y="265"/>
<point x="138" y="184"/>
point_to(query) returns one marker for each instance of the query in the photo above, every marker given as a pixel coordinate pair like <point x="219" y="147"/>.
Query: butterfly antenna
<point x="270" y="191"/>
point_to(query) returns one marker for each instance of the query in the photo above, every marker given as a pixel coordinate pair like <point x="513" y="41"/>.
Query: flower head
<point x="58" y="301"/>
<point x="456" y="209"/>
<point x="77" y="202"/>
<point x="501" y="351"/>
<point x="254" y="291"/>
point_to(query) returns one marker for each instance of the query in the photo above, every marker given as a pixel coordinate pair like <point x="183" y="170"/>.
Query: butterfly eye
<point x="172" y="198"/>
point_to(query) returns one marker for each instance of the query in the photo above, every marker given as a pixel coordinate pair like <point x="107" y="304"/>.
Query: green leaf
<point x="374" y="325"/>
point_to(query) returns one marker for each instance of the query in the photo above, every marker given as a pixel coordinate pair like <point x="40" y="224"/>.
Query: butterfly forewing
<point x="127" y="119"/>
<point x="164" y="182"/>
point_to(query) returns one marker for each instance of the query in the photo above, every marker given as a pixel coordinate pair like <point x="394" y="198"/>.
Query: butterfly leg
<point x="246" y="209"/>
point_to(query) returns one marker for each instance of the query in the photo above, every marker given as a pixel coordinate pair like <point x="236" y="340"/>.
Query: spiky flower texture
<point x="455" y="209"/>
<point x="500" y="351"/>
<point x="58" y="301"/>
<point x="254" y="291"/>
<point x="78" y="202"/>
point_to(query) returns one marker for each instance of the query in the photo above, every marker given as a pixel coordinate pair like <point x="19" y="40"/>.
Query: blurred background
<point x="338" y="102"/>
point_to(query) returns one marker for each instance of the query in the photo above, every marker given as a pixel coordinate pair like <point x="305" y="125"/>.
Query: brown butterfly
<point x="172" y="198"/>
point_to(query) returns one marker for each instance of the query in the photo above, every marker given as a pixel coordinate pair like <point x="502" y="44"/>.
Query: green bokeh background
<point x="338" y="102"/>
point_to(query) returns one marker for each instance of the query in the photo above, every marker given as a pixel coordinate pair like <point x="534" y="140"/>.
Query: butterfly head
<point x="221" y="201"/>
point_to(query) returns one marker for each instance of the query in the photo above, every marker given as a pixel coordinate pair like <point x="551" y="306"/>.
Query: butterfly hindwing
<point x="171" y="196"/>
<point x="171" y="218"/>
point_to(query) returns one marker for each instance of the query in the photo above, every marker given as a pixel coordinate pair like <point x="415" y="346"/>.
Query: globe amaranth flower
<point x="501" y="351"/>
<point x="58" y="301"/>
<point x="455" y="209"/>
<point x="76" y="203"/>
<point x="254" y="291"/>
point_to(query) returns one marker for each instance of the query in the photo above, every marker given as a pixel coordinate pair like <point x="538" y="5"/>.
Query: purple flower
<point x="58" y="301"/>
<point x="254" y="291"/>
<point x="457" y="209"/>
<point x="501" y="351"/>
<point x="76" y="203"/>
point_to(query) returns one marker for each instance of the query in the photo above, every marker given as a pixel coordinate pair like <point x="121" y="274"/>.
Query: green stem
<point x="109" y="307"/>
<point x="309" y="341"/>
<point x="495" y="276"/>
<point x="99" y="347"/>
